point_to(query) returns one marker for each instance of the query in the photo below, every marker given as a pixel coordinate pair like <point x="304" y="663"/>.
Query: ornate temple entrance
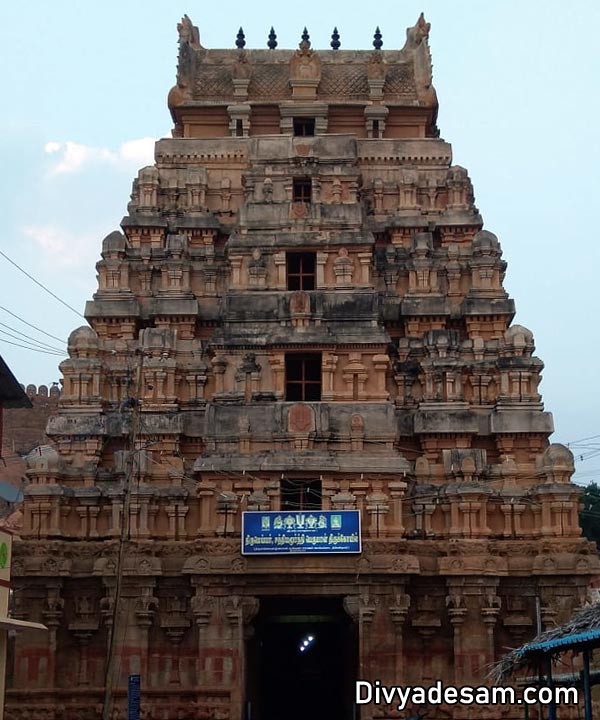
<point x="302" y="660"/>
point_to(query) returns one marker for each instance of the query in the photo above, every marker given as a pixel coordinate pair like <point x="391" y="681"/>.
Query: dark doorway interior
<point x="302" y="661"/>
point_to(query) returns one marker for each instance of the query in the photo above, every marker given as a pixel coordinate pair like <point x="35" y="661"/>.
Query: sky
<point x="84" y="88"/>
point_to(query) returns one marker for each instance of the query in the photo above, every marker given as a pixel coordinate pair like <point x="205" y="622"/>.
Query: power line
<point x="35" y="327"/>
<point x="40" y="343"/>
<point x="32" y="343"/>
<point x="37" y="282"/>
<point x="27" y="347"/>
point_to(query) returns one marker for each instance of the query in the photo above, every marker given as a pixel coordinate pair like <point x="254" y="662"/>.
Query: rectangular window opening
<point x="301" y="270"/>
<point x="239" y="128"/>
<point x="304" y="127"/>
<point x="303" y="377"/>
<point x="302" y="190"/>
<point x="300" y="494"/>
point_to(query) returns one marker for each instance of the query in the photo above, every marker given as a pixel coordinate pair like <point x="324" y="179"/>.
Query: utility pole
<point x="109" y="675"/>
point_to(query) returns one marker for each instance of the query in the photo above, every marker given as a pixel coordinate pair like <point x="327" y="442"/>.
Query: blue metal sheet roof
<point x="566" y="642"/>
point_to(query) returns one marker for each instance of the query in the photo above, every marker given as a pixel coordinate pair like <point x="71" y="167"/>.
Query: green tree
<point x="589" y="516"/>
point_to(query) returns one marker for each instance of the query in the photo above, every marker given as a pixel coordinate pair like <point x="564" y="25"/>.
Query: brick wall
<point x="25" y="428"/>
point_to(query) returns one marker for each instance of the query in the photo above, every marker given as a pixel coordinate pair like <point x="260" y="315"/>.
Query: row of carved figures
<point x="194" y="192"/>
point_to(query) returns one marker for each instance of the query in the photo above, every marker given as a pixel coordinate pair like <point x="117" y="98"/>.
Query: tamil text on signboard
<point x="311" y="531"/>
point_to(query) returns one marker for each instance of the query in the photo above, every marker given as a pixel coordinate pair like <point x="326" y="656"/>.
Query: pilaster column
<point x="396" y="489"/>
<point x="280" y="268"/>
<point x="219" y="366"/>
<point x="277" y="364"/>
<point x="52" y="617"/>
<point x="143" y="609"/>
<point x="328" y="369"/>
<point x="206" y="494"/>
<point x="457" y="613"/>
<point x="83" y="641"/>
<point x="381" y="364"/>
<point x="362" y="612"/>
<point x="364" y="261"/>
<point x="239" y="611"/>
<point x="321" y="261"/>
<point x="489" y="614"/>
<point x="236" y="270"/>
<point x="202" y="606"/>
<point x="398" y="614"/>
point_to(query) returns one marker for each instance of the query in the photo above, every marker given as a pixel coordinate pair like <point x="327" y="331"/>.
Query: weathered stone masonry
<point x="424" y="412"/>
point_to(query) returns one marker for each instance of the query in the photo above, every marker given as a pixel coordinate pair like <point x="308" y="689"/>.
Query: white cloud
<point x="140" y="152"/>
<point x="61" y="247"/>
<point x="74" y="156"/>
<point x="46" y="237"/>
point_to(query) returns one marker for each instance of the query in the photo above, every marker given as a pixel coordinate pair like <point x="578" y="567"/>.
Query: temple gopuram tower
<point x="301" y="326"/>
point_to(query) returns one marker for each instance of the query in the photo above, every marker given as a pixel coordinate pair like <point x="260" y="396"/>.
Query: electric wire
<point x="26" y="347"/>
<point x="37" y="282"/>
<point x="31" y="325"/>
<point x="591" y="437"/>
<point x="28" y="338"/>
<point x="31" y="345"/>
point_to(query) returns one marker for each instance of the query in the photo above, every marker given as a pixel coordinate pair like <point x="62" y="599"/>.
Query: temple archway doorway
<point x="301" y="660"/>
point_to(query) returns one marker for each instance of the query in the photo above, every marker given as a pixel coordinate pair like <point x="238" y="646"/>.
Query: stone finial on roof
<point x="305" y="40"/>
<point x="377" y="41"/>
<point x="240" y="40"/>
<point x="215" y="75"/>
<point x="335" y="39"/>
<point x="305" y="69"/>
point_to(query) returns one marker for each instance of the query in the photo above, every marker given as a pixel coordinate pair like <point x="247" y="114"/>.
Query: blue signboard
<point x="133" y="698"/>
<point x="308" y="531"/>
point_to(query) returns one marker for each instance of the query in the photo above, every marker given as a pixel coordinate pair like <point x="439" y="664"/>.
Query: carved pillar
<point x="364" y="260"/>
<point x="328" y="369"/>
<point x="321" y="261"/>
<point x="239" y="612"/>
<point x="489" y="613"/>
<point x="398" y="612"/>
<point x="457" y="612"/>
<point x="144" y="610"/>
<point x="396" y="527"/>
<point x="219" y="366"/>
<point x="281" y="280"/>
<point x="366" y="616"/>
<point x="202" y="606"/>
<point x="362" y="612"/>
<point x="52" y="616"/>
<point x="512" y="519"/>
<point x="236" y="270"/>
<point x="116" y="509"/>
<point x="381" y="364"/>
<point x="423" y="515"/>
<point x="83" y="642"/>
<point x="277" y="364"/>
<point x="378" y="509"/>
<point x="83" y="626"/>
<point x="174" y="622"/>
<point x="206" y="494"/>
